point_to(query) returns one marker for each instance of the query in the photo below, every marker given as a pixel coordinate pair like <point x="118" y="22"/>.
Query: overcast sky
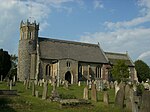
<point x="118" y="25"/>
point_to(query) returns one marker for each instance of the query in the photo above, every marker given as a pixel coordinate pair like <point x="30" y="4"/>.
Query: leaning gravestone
<point x="45" y="89"/>
<point x="93" y="92"/>
<point x="145" y="104"/>
<point x="119" y="99"/>
<point x="10" y="84"/>
<point x="86" y="93"/>
<point x="106" y="97"/>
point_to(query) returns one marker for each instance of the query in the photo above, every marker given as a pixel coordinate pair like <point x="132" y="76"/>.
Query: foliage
<point x="143" y="71"/>
<point x="140" y="89"/>
<point x="5" y="63"/>
<point x="13" y="70"/>
<point x="120" y="71"/>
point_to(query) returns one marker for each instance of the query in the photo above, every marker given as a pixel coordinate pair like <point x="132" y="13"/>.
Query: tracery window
<point x="98" y="72"/>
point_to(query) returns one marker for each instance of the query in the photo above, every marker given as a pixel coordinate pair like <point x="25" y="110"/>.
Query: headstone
<point x="90" y="84"/>
<point x="66" y="84"/>
<point x="41" y="82"/>
<point x="33" y="88"/>
<point x="119" y="99"/>
<point x="145" y="103"/>
<point x="36" y="94"/>
<point x="106" y="97"/>
<point x="86" y="93"/>
<point x="79" y="83"/>
<point x="10" y="84"/>
<point x="101" y="85"/>
<point x="87" y="82"/>
<point x="14" y="80"/>
<point x="93" y="92"/>
<point x="98" y="85"/>
<point x="45" y="89"/>
<point x="24" y="83"/>
<point x="112" y="85"/>
<point x="107" y="85"/>
<point x="27" y="84"/>
<point x="127" y="91"/>
<point x="116" y="89"/>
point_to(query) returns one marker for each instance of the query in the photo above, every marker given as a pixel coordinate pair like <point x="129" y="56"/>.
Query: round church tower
<point x="27" y="47"/>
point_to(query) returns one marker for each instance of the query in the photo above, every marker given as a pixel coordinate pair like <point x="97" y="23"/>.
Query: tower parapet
<point x="27" y="47"/>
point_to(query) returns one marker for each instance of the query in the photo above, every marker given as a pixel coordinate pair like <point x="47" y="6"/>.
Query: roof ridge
<point x="66" y="41"/>
<point x="118" y="53"/>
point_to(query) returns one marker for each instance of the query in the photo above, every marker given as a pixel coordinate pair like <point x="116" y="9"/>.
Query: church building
<point x="46" y="58"/>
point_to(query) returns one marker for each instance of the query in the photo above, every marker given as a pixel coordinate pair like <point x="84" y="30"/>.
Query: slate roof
<point x="113" y="57"/>
<point x="62" y="49"/>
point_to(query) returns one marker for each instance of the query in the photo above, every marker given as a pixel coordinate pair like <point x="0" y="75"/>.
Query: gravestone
<point x="66" y="84"/>
<point x="119" y="99"/>
<point x="116" y="89"/>
<point x="106" y="97"/>
<point x="86" y="93"/>
<point x="79" y="83"/>
<point x="127" y="91"/>
<point x="93" y="92"/>
<point x="33" y="88"/>
<point x="90" y="84"/>
<point x="10" y="85"/>
<point x="36" y="94"/>
<point x="98" y="85"/>
<point x="145" y="103"/>
<point x="45" y="89"/>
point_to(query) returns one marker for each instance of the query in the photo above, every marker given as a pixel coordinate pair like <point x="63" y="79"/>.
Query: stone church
<point x="46" y="58"/>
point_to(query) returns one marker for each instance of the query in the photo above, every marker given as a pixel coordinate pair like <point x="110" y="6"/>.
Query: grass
<point x="27" y="103"/>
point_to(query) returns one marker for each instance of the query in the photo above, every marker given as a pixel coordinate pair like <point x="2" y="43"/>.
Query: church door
<point x="68" y="77"/>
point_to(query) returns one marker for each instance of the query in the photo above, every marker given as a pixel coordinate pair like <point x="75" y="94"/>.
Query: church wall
<point x="89" y="69"/>
<point x="73" y="69"/>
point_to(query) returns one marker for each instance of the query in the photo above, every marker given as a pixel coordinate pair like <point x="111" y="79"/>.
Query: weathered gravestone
<point x="119" y="99"/>
<point x="45" y="89"/>
<point x="93" y="92"/>
<point x="10" y="85"/>
<point x="145" y="102"/>
<point x="98" y="85"/>
<point x="33" y="88"/>
<point x="86" y="93"/>
<point x="106" y="97"/>
<point x="79" y="83"/>
<point x="36" y="94"/>
<point x="66" y="84"/>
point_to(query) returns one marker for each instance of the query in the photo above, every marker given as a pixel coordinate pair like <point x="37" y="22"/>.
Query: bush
<point x="140" y="89"/>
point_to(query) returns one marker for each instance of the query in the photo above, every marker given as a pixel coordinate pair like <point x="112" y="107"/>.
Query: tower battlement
<point x="29" y="24"/>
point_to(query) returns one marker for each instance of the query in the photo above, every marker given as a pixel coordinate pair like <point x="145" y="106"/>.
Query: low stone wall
<point x="8" y="92"/>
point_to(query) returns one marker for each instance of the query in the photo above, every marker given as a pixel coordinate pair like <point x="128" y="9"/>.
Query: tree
<point x="13" y="70"/>
<point x="120" y="71"/>
<point x="5" y="63"/>
<point x="143" y="71"/>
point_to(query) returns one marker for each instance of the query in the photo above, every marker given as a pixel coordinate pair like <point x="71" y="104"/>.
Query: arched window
<point x="98" y="72"/>
<point x="48" y="70"/>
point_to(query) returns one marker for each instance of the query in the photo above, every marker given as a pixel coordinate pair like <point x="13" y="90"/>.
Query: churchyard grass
<point x="25" y="102"/>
